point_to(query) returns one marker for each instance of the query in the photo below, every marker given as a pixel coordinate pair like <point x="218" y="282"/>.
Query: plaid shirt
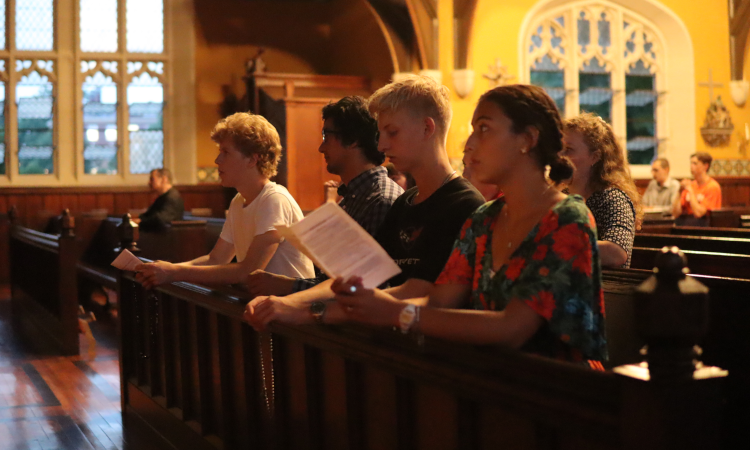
<point x="367" y="199"/>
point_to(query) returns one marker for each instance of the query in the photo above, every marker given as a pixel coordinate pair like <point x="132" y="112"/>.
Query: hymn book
<point x="126" y="261"/>
<point x="340" y="247"/>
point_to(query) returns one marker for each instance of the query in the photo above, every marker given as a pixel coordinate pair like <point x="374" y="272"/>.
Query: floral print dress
<point x="555" y="271"/>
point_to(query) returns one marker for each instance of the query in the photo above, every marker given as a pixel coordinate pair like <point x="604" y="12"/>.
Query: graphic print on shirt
<point x="409" y="236"/>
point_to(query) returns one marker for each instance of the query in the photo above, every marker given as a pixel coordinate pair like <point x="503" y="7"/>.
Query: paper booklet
<point x="340" y="247"/>
<point x="126" y="261"/>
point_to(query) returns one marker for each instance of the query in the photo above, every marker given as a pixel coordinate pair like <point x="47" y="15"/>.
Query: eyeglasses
<point x="330" y="132"/>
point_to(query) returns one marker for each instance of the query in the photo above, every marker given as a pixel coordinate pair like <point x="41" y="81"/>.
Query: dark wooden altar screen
<point x="293" y="104"/>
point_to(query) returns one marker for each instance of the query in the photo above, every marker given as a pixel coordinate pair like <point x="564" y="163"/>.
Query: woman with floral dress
<point x="524" y="271"/>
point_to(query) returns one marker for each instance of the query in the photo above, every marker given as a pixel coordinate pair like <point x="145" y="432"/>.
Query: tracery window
<point x="599" y="57"/>
<point x="113" y="89"/>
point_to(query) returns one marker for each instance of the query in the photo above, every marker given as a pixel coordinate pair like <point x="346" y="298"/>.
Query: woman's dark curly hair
<point x="530" y="106"/>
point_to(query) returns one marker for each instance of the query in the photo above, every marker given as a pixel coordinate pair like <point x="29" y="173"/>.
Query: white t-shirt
<point x="274" y="205"/>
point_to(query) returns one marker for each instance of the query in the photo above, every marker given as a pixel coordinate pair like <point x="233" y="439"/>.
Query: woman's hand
<point x="368" y="306"/>
<point x="155" y="273"/>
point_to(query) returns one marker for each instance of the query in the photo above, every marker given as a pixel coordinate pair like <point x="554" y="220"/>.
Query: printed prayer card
<point x="340" y="246"/>
<point x="126" y="261"/>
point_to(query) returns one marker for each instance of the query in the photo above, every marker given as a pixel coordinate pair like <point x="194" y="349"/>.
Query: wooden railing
<point x="43" y="285"/>
<point x="202" y="378"/>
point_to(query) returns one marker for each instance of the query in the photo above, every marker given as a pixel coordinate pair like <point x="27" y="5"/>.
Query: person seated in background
<point x="525" y="268"/>
<point x="249" y="152"/>
<point x="413" y="116"/>
<point x="699" y="195"/>
<point x="488" y="191"/>
<point x="663" y="190"/>
<point x="602" y="177"/>
<point x="167" y="207"/>
<point x="350" y="149"/>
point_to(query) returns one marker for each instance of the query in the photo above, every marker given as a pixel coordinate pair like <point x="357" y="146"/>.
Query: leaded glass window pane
<point x="35" y="99"/>
<point x="594" y="84"/>
<point x="584" y="31"/>
<point x="605" y="38"/>
<point x="145" y="23"/>
<point x="2" y="27"/>
<point x="98" y="25"/>
<point x="641" y="118"/>
<point x="34" y="25"/>
<point x="145" y="125"/>
<point x="2" y="128"/>
<point x="100" y="125"/>
<point x="553" y="83"/>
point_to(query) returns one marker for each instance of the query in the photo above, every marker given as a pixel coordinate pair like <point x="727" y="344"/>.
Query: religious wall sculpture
<point x="717" y="126"/>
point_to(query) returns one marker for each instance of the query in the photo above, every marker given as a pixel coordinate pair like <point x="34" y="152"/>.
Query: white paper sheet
<point x="340" y="246"/>
<point x="126" y="261"/>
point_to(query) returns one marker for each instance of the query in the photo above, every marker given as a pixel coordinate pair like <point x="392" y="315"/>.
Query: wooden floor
<point x="52" y="402"/>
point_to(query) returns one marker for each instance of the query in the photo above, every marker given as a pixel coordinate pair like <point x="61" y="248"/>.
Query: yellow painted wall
<point x="340" y="37"/>
<point x="496" y="33"/>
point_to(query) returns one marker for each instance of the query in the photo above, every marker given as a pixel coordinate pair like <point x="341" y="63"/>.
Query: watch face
<point x="317" y="308"/>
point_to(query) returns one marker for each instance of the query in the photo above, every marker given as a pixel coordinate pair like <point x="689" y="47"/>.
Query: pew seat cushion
<point x="555" y="271"/>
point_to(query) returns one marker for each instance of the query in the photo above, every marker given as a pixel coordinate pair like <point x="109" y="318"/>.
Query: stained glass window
<point x="98" y="25"/>
<point x="2" y="128"/>
<point x="145" y="124"/>
<point x="595" y="93"/>
<point x="34" y="25"/>
<point x="641" y="118"/>
<point x="2" y="26"/>
<point x="577" y="57"/>
<point x="100" y="123"/>
<point x="145" y="22"/>
<point x="34" y="96"/>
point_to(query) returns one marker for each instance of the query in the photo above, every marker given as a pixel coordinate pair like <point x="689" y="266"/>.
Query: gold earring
<point x="523" y="151"/>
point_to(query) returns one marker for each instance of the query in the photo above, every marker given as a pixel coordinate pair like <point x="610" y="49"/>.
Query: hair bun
<point x="561" y="168"/>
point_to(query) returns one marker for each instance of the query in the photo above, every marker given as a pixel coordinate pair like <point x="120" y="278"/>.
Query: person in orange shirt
<point x="698" y="196"/>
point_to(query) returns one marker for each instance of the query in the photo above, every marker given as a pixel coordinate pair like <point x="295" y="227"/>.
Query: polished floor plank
<point x="49" y="402"/>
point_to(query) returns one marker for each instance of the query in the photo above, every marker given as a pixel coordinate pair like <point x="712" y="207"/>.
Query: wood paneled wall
<point x="735" y="191"/>
<point x="32" y="203"/>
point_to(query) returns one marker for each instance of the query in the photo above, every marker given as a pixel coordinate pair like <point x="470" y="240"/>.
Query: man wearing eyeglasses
<point x="350" y="149"/>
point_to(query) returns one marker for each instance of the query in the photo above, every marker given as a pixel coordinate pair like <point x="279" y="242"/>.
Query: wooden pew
<point x="701" y="262"/>
<point x="50" y="271"/>
<point x="43" y="285"/>
<point x="203" y="379"/>
<point x="715" y="244"/>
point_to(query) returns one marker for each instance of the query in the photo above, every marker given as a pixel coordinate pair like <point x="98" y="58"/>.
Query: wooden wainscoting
<point x="34" y="203"/>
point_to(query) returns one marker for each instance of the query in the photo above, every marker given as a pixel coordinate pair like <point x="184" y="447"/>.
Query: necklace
<point x="445" y="180"/>
<point x="450" y="175"/>
<point x="505" y="214"/>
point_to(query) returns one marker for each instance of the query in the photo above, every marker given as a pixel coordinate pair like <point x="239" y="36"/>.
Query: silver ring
<point x="353" y="289"/>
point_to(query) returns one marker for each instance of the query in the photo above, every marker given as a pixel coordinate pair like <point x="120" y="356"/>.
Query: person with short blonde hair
<point x="420" y="95"/>
<point x="249" y="151"/>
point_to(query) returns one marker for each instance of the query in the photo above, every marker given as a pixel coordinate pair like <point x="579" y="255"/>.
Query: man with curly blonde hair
<point x="249" y="153"/>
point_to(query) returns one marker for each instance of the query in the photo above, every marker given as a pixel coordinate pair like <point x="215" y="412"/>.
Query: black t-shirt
<point x="420" y="237"/>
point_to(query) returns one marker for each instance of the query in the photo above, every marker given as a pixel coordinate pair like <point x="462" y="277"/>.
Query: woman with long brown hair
<point x="603" y="178"/>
